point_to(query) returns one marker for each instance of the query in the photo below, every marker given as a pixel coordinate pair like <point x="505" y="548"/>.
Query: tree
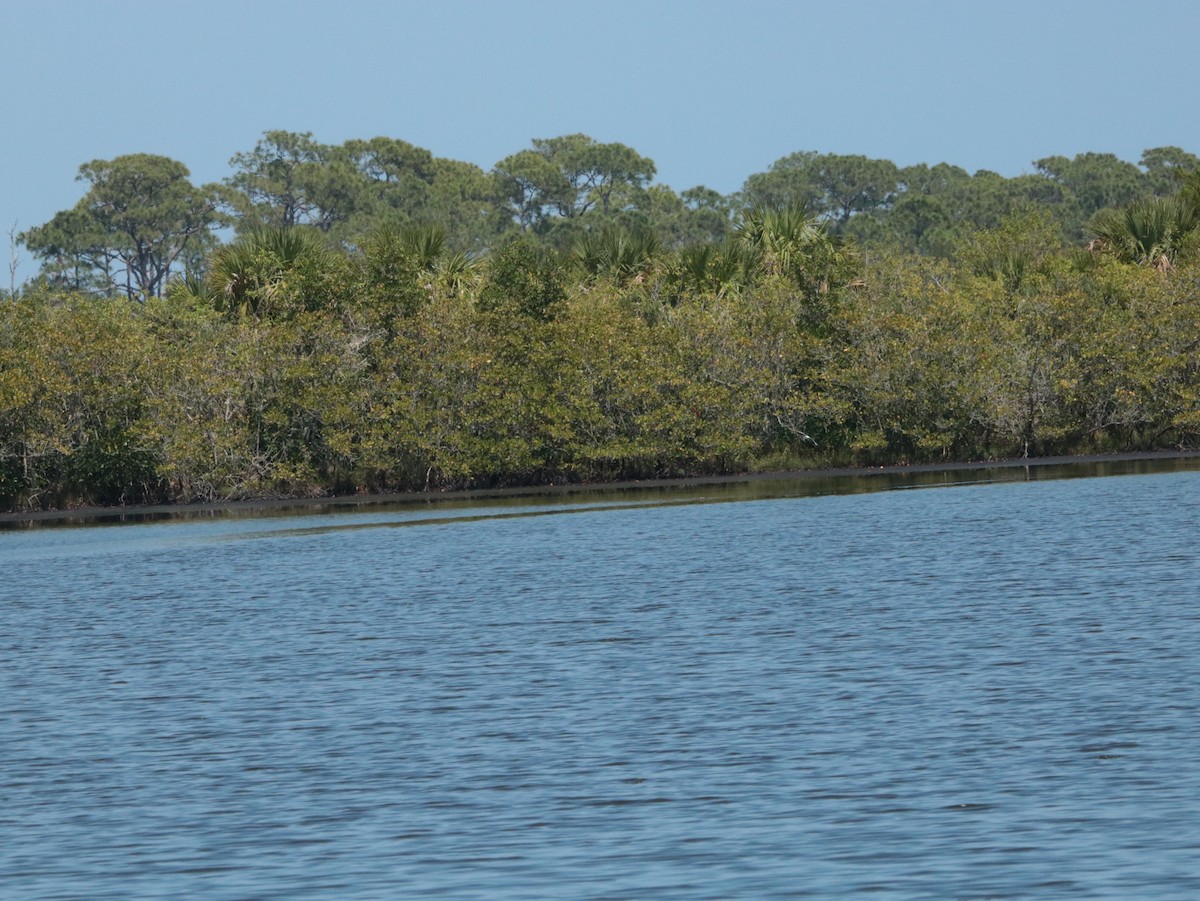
<point x="270" y="272"/>
<point x="1190" y="188"/>
<point x="984" y="200"/>
<point x="352" y="189"/>
<point x="1150" y="232"/>
<point x="73" y="393"/>
<point x="621" y="254"/>
<point x="788" y="182"/>
<point x="301" y="182"/>
<point x="523" y="280"/>
<point x="277" y="179"/>
<point x="391" y="182"/>
<point x="1015" y="253"/>
<point x="927" y="215"/>
<point x="400" y="270"/>
<point x="787" y="242"/>
<point x="916" y="222"/>
<point x="462" y="200"/>
<point x="1094" y="181"/>
<point x="141" y="219"/>
<point x="934" y="180"/>
<point x="854" y="184"/>
<point x="75" y="252"/>
<point x="1167" y="167"/>
<point x="832" y="186"/>
<point x="698" y="215"/>
<point x="566" y="177"/>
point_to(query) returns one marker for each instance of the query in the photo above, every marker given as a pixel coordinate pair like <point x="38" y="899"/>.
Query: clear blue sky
<point x="712" y="91"/>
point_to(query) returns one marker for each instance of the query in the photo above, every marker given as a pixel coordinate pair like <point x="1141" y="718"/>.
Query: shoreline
<point x="349" y="501"/>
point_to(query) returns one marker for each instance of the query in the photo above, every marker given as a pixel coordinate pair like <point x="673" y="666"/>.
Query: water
<point x="988" y="691"/>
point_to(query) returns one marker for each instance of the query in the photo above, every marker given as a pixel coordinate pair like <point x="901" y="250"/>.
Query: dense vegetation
<point x="384" y="319"/>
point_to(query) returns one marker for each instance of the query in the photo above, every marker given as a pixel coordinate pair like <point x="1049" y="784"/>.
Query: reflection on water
<point x="730" y="488"/>
<point x="988" y="691"/>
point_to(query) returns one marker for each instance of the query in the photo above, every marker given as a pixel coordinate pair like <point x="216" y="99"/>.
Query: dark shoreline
<point x="351" y="501"/>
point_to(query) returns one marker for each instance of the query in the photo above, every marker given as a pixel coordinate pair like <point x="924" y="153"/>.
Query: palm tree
<point x="788" y="241"/>
<point x="1150" y="232"/>
<point x="419" y="252"/>
<point x="780" y="237"/>
<point x="719" y="269"/>
<point x="251" y="275"/>
<point x="623" y="254"/>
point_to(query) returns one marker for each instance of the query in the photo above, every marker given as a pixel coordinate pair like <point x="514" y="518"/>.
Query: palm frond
<point x="1150" y="232"/>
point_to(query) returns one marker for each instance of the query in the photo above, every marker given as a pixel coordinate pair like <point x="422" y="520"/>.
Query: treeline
<point x="142" y="222"/>
<point x="289" y="364"/>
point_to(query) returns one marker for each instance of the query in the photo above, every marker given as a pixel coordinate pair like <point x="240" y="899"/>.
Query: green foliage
<point x="462" y="200"/>
<point x="271" y="272"/>
<point x="523" y="280"/>
<point x="377" y="326"/>
<point x="621" y="254"/>
<point x="1189" y="189"/>
<point x="715" y="270"/>
<point x="566" y="177"/>
<point x="74" y="422"/>
<point x="76" y="253"/>
<point x="1167" y="167"/>
<point x="780" y="237"/>
<point x="697" y="216"/>
<point x="1152" y="232"/>
<point x="788" y="243"/>
<point x="399" y="270"/>
<point x="520" y="378"/>
<point x="917" y="223"/>
<point x="632" y="399"/>
<point x="1019" y="249"/>
<point x="278" y="182"/>
<point x="352" y="189"/>
<point x="247" y="408"/>
<point x="834" y="187"/>
<point x="139" y="221"/>
<point x="1095" y="180"/>
<point x="907" y="365"/>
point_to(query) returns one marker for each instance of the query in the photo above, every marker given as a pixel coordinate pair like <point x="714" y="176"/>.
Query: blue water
<point x="988" y="691"/>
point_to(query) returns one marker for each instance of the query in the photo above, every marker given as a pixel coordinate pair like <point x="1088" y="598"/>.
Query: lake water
<point x="981" y="691"/>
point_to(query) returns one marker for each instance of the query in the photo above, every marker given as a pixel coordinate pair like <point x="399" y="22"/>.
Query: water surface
<point x="981" y="691"/>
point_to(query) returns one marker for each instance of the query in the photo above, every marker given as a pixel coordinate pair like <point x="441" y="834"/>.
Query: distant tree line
<point x="386" y="320"/>
<point x="141" y="221"/>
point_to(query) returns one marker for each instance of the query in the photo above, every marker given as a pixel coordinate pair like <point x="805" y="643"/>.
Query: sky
<point x="711" y="91"/>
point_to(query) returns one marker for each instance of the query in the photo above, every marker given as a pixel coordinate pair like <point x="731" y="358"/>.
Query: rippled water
<point x="970" y="692"/>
